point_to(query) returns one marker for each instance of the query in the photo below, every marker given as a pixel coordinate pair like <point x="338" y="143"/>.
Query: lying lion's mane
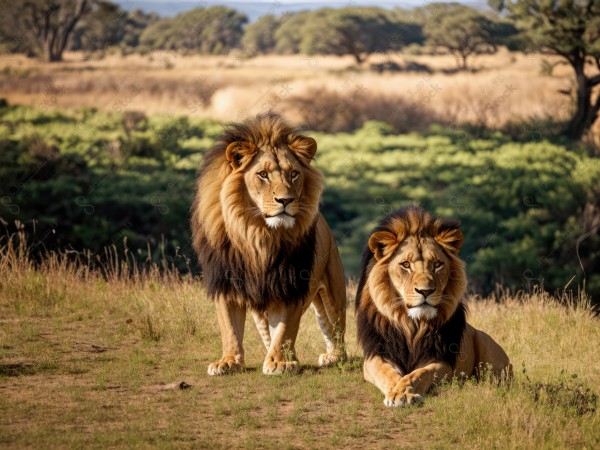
<point x="406" y="344"/>
<point x="393" y="344"/>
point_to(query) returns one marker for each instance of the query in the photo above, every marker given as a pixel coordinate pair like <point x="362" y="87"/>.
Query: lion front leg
<point x="231" y="317"/>
<point x="284" y="321"/>
<point x="412" y="387"/>
<point x="382" y="374"/>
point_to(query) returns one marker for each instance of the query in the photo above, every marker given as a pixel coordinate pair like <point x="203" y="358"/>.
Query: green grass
<point x="84" y="363"/>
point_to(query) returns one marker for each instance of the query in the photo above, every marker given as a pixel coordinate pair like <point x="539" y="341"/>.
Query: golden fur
<point x="411" y="321"/>
<point x="262" y="243"/>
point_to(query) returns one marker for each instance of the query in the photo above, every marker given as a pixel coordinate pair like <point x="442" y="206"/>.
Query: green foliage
<point x="569" y="29"/>
<point x="356" y="31"/>
<point x="259" y="36"/>
<point x="460" y="29"/>
<point x="92" y="179"/>
<point x="558" y="27"/>
<point x="289" y="37"/>
<point x="521" y="204"/>
<point x="214" y="30"/>
<point x="109" y="25"/>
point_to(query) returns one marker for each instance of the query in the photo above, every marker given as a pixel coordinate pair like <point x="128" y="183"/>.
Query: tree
<point x="349" y="31"/>
<point x="214" y="30"/>
<point x="459" y="29"/>
<point x="259" y="36"/>
<point x="109" y="25"/>
<point x="571" y="30"/>
<point x="289" y="37"/>
<point x="45" y="24"/>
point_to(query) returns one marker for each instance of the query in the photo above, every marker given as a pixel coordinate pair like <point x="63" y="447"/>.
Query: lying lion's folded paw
<point x="225" y="366"/>
<point x="279" y="367"/>
<point x="402" y="397"/>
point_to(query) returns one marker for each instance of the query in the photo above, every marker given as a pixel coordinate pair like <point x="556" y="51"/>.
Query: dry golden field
<point x="499" y="89"/>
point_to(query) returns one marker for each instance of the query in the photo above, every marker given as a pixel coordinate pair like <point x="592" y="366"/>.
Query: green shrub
<point x="91" y="179"/>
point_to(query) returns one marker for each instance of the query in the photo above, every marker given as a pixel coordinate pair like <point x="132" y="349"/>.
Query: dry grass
<point x="501" y="89"/>
<point x="96" y="361"/>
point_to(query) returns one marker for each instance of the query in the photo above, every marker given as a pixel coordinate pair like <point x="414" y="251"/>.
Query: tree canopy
<point x="109" y="25"/>
<point x="43" y="26"/>
<point x="214" y="30"/>
<point x="356" y="31"/>
<point x="259" y="36"/>
<point x="571" y="30"/>
<point x="458" y="28"/>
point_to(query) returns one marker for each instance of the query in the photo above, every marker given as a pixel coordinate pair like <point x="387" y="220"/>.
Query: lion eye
<point x="437" y="264"/>
<point x="294" y="174"/>
<point x="263" y="174"/>
<point x="405" y="264"/>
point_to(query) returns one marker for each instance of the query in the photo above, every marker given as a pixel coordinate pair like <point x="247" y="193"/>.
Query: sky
<point x="256" y="8"/>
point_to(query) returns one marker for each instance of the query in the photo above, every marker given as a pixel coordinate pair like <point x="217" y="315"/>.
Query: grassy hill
<point x="97" y="361"/>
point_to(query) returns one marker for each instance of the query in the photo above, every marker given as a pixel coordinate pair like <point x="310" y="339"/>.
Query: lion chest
<point x="408" y="353"/>
<point x="284" y="277"/>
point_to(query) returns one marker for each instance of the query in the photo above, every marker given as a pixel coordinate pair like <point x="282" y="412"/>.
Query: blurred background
<point x="482" y="112"/>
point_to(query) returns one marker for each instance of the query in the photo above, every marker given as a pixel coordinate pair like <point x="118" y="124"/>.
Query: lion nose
<point x="424" y="292"/>
<point x="284" y="200"/>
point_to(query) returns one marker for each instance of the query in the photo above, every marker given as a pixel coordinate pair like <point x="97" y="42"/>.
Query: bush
<point x="530" y="210"/>
<point x="331" y="111"/>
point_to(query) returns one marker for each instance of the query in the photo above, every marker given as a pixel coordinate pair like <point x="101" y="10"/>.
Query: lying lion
<point x="264" y="246"/>
<point x="411" y="321"/>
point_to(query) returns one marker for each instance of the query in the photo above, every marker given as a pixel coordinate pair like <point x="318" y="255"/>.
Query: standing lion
<point x="263" y="245"/>
<point x="411" y="321"/>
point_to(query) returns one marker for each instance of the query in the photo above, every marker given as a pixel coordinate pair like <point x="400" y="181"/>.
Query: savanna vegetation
<point x="566" y="30"/>
<point x="106" y="359"/>
<point x="87" y="179"/>
<point x="105" y="329"/>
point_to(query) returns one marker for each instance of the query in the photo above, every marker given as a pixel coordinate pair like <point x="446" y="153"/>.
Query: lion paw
<point x="328" y="359"/>
<point x="402" y="397"/>
<point x="279" y="367"/>
<point x="225" y="366"/>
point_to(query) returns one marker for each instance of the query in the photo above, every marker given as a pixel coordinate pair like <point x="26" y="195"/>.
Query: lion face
<point x="419" y="273"/>
<point x="274" y="183"/>
<point x="277" y="178"/>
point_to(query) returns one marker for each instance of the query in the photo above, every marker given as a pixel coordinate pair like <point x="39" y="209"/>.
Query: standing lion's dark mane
<point x="276" y="265"/>
<point x="286" y="278"/>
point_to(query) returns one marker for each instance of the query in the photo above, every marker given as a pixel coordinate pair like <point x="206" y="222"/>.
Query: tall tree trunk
<point x="586" y="113"/>
<point x="54" y="25"/>
<point x="461" y="59"/>
<point x="576" y="127"/>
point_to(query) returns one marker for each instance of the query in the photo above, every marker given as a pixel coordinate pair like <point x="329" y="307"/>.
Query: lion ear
<point x="382" y="244"/>
<point x="451" y="238"/>
<point x="239" y="154"/>
<point x="304" y="146"/>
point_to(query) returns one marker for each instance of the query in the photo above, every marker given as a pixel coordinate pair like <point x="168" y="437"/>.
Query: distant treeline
<point x="567" y="29"/>
<point x="356" y="31"/>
